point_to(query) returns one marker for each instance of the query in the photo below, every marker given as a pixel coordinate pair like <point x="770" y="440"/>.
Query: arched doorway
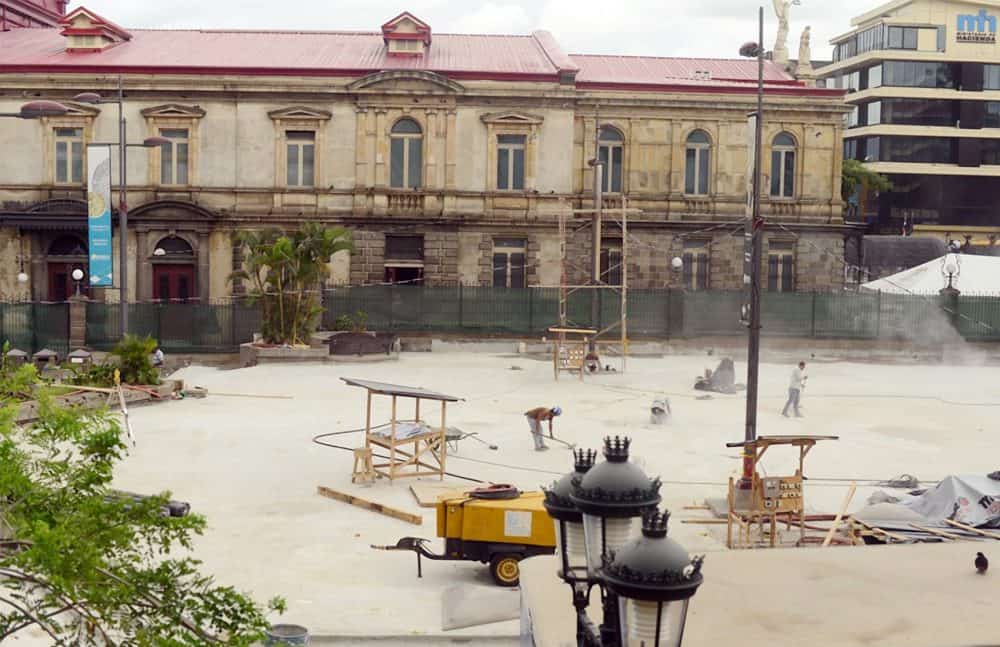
<point x="65" y="254"/>
<point x="174" y="271"/>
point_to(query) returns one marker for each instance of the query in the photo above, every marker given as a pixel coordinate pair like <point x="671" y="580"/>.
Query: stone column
<point x="77" y="322"/>
<point x="204" y="267"/>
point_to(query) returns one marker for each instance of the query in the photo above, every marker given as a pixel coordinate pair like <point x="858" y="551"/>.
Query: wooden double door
<point x="174" y="282"/>
<point x="61" y="283"/>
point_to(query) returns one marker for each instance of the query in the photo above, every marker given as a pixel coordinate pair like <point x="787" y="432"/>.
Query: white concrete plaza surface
<point x="250" y="465"/>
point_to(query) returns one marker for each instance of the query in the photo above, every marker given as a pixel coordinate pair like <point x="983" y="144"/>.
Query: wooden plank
<point x="978" y="531"/>
<point x="935" y="531"/>
<point x="428" y="494"/>
<point x="706" y="522"/>
<point x="415" y="519"/>
<point x="840" y="515"/>
<point x="888" y="534"/>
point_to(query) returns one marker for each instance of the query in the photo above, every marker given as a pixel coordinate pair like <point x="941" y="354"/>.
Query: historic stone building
<point x="447" y="156"/>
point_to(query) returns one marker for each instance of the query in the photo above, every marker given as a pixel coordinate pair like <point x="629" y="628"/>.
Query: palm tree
<point x="284" y="271"/>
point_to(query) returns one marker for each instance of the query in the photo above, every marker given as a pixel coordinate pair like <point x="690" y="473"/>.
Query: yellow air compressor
<point x="497" y="525"/>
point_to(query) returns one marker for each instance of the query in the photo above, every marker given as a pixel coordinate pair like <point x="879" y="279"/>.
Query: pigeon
<point x="981" y="563"/>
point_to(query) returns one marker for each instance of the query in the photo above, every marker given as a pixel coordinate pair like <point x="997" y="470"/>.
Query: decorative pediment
<point x="406" y="81"/>
<point x="171" y="211"/>
<point x="174" y="111"/>
<point x="300" y="113"/>
<point x="74" y="109"/>
<point x="511" y="118"/>
<point x="406" y="26"/>
<point x="86" y="31"/>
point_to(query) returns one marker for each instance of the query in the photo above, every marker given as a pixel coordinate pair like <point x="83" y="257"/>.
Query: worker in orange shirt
<point x="536" y="417"/>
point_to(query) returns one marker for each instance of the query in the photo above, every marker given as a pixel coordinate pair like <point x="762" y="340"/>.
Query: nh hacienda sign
<point x="976" y="28"/>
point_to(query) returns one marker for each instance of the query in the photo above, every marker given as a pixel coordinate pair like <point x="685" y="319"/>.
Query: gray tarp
<point x="970" y="499"/>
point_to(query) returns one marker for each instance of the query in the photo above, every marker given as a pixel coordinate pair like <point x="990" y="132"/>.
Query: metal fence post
<point x="878" y="314"/>
<point x="531" y="310"/>
<point x="812" y="325"/>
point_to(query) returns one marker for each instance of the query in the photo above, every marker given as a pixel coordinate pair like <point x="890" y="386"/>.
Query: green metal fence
<point x="179" y="327"/>
<point x="666" y="313"/>
<point x="33" y="326"/>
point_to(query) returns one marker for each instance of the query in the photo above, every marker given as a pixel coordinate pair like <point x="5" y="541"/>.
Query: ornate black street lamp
<point x="645" y="581"/>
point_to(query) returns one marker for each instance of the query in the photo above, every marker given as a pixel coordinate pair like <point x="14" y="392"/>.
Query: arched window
<point x="697" y="162"/>
<point x="611" y="151"/>
<point x="783" y="166"/>
<point x="406" y="155"/>
<point x="173" y="247"/>
<point x="68" y="246"/>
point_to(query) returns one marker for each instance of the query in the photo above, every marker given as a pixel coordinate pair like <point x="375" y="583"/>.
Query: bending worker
<point x="536" y="417"/>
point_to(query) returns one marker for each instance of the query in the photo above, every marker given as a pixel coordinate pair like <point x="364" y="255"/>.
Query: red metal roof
<point x="460" y="56"/>
<point x="685" y="74"/>
<point x="278" y="52"/>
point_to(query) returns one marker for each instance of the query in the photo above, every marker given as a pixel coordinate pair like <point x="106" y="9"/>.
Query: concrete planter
<point x="374" y="349"/>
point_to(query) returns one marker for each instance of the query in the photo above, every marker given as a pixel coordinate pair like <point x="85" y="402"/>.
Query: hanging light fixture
<point x="570" y="544"/>
<point x="612" y="496"/>
<point x="654" y="580"/>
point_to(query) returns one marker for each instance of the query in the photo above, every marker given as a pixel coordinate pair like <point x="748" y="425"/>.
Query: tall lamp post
<point x="647" y="581"/>
<point x="94" y="98"/>
<point x="754" y="236"/>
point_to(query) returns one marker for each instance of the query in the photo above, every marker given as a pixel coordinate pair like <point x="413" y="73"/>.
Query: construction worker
<point x="795" y="386"/>
<point x="536" y="417"/>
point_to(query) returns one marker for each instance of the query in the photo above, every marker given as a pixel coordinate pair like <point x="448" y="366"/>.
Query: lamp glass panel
<point x="605" y="534"/>
<point x="573" y="542"/>
<point x="646" y="623"/>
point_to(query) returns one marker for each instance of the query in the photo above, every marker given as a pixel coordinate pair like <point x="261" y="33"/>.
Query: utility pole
<point x="753" y="239"/>
<point x="122" y="212"/>
<point x="595" y="272"/>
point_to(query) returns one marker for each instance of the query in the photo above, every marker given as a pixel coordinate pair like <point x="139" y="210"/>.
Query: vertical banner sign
<point x="748" y="230"/>
<point x="99" y="214"/>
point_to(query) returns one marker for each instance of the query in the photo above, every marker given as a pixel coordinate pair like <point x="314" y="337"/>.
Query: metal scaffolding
<point x="572" y="223"/>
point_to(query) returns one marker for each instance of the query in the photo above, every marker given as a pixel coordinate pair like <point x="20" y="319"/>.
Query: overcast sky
<point x="709" y="28"/>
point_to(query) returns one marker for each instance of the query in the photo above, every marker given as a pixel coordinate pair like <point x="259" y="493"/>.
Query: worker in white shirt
<point x="795" y="387"/>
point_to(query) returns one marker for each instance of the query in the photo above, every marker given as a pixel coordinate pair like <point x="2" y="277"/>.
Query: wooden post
<point x="729" y="516"/>
<point x="392" y="442"/>
<point x="443" y="445"/>
<point x="368" y="419"/>
<point x="417" y="413"/>
<point x="843" y="511"/>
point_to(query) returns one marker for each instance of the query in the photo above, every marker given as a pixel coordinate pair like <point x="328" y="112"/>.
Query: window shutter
<point x="517" y="270"/>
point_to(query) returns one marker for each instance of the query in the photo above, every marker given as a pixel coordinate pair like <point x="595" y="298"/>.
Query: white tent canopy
<point x="976" y="275"/>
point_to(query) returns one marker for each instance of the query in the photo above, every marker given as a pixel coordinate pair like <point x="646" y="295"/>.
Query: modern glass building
<point x="923" y="77"/>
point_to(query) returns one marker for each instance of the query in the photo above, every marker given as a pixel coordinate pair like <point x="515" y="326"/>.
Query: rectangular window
<point x="404" y="248"/>
<point x="174" y="156"/>
<point x="696" y="265"/>
<point x="69" y="155"/>
<point x="612" y="156"/>
<point x="991" y="77"/>
<point x="874" y="113"/>
<point x="509" y="256"/>
<point x="301" y="162"/>
<point x="919" y="112"/>
<point x="992" y="117"/>
<point x="851" y="118"/>
<point x="941" y="38"/>
<point x="928" y="150"/>
<point x="510" y="162"/>
<point x="850" y="149"/>
<point x="781" y="266"/>
<point x="875" y="76"/>
<point x="918" y="74"/>
<point x="611" y="261"/>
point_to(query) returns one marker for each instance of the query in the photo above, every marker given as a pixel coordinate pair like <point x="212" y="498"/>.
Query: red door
<point x="174" y="283"/>
<point x="61" y="283"/>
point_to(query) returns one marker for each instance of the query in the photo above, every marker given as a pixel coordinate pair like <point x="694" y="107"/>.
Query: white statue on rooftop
<point x="805" y="54"/>
<point x="781" y="10"/>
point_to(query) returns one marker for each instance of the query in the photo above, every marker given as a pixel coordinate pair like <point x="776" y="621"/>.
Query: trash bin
<point x="279" y="635"/>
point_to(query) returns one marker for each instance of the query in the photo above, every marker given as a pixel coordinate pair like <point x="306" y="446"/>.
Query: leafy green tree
<point x="284" y="272"/>
<point x="854" y="174"/>
<point x="86" y="565"/>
